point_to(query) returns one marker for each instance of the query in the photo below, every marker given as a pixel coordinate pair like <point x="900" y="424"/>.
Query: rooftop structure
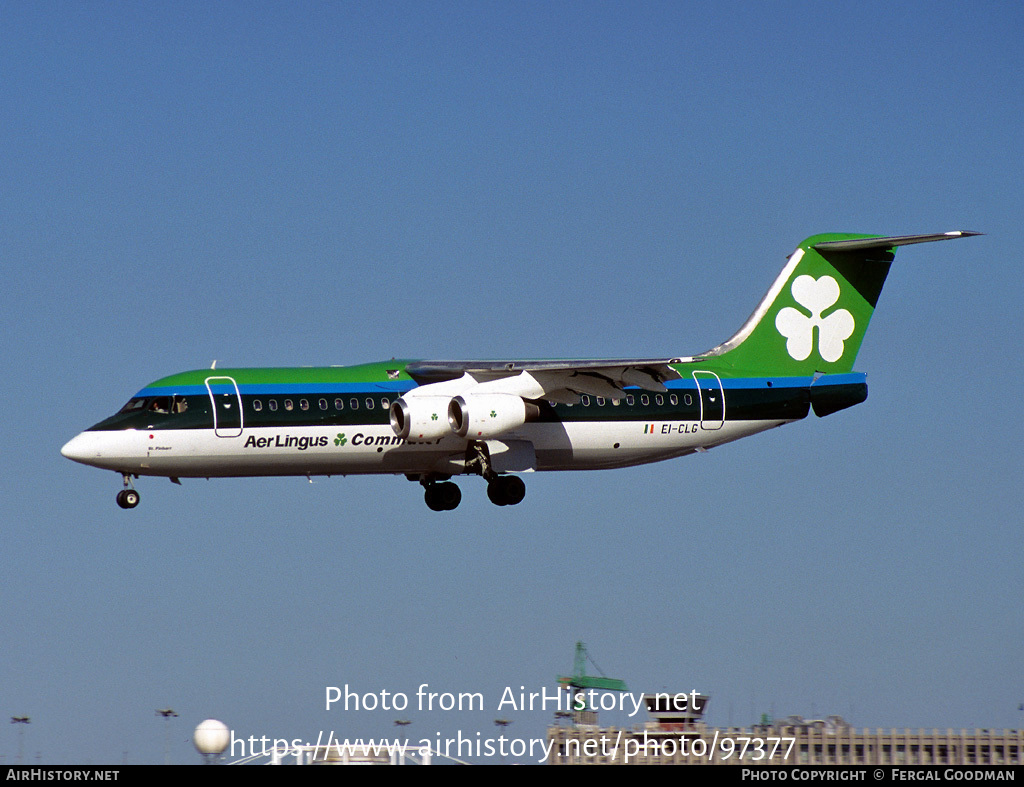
<point x="679" y="736"/>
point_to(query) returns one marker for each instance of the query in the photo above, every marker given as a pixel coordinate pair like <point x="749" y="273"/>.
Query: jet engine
<point x="476" y="416"/>
<point x="420" y="417"/>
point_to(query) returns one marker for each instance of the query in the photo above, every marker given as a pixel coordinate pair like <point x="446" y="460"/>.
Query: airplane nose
<point x="78" y="449"/>
<point x="118" y="450"/>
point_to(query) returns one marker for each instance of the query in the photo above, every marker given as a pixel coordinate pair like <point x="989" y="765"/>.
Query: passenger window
<point x="586" y="401"/>
<point x="257" y="405"/>
<point x="288" y="404"/>
<point x="616" y="402"/>
<point x="630" y="400"/>
<point x="600" y="401"/>
<point x="273" y="405"/>
<point x="339" y="404"/>
<point x="659" y="399"/>
<point x="303" y="404"/>
<point x="353" y="403"/>
<point x="645" y="399"/>
<point x="385" y="403"/>
<point x="673" y="399"/>
<point x="323" y="404"/>
<point x="369" y="403"/>
<point x="688" y="399"/>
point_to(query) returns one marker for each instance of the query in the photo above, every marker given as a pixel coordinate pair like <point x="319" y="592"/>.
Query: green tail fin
<point x="814" y="317"/>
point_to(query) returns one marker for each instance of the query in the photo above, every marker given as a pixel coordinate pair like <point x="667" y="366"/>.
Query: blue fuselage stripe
<point x="402" y="386"/>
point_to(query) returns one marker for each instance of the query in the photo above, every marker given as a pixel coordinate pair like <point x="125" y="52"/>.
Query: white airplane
<point x="433" y="420"/>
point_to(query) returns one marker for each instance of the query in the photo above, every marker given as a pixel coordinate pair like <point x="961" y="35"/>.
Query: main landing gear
<point x="502" y="490"/>
<point x="506" y="490"/>
<point x="127" y="497"/>
<point x="441" y="494"/>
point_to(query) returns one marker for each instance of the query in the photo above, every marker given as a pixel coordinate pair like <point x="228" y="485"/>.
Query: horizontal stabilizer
<point x="862" y="244"/>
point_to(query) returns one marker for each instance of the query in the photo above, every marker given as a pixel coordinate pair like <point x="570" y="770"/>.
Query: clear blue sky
<point x="333" y="183"/>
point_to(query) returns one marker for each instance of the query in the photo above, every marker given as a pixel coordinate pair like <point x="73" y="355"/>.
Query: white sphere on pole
<point x="211" y="737"/>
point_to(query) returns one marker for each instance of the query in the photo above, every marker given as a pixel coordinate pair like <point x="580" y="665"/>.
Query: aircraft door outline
<point x="226" y="406"/>
<point x="712" y="400"/>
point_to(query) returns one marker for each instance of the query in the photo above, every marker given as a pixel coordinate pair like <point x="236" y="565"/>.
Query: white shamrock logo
<point x="815" y="295"/>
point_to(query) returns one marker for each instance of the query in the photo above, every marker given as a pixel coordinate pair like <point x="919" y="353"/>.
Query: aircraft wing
<point x="557" y="380"/>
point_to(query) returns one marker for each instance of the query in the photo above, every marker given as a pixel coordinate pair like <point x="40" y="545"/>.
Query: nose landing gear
<point x="127" y="497"/>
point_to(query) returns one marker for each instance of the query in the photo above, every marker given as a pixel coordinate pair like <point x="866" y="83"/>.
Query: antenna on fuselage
<point x="214" y="364"/>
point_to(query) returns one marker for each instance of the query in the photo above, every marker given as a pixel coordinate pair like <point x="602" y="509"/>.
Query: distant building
<point x="677" y="735"/>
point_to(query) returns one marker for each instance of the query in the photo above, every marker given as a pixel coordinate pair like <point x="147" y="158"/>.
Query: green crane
<point x="580" y="681"/>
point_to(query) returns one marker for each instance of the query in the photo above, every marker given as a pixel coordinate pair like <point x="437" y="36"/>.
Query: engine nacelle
<point x="421" y="417"/>
<point x="476" y="416"/>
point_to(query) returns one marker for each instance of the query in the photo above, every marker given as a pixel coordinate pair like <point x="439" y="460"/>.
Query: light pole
<point x="502" y="724"/>
<point x="168" y="714"/>
<point x="21" y="736"/>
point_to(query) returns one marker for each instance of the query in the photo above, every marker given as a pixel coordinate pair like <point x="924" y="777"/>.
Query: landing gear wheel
<point x="127" y="498"/>
<point x="506" y="490"/>
<point x="494" y="493"/>
<point x="443" y="497"/>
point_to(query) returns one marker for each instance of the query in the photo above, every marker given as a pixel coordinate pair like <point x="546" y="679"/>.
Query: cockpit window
<point x="156" y="404"/>
<point x="133" y="404"/>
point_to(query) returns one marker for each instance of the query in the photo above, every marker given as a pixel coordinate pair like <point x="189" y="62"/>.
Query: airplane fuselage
<point x="335" y="421"/>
